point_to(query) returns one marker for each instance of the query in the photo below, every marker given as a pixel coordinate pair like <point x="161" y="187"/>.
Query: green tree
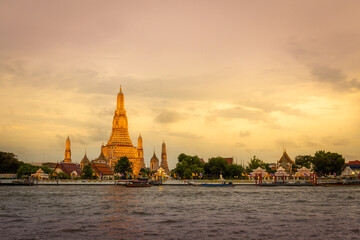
<point x="216" y="166"/>
<point x="234" y="171"/>
<point x="87" y="172"/>
<point x="123" y="166"/>
<point x="303" y="161"/>
<point x="187" y="165"/>
<point x="25" y="170"/>
<point x="144" y="172"/>
<point x="327" y="162"/>
<point x="9" y="163"/>
<point x="62" y="175"/>
<point x="255" y="162"/>
<point x="46" y="169"/>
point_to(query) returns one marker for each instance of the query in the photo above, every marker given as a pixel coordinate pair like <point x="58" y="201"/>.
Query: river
<point x="179" y="212"/>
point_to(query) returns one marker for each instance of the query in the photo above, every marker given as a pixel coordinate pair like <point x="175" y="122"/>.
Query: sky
<point x="210" y="78"/>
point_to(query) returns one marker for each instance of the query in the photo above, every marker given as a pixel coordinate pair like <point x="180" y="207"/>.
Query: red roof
<point x="68" y="168"/>
<point x="229" y="160"/>
<point x="102" y="168"/>
<point x="355" y="162"/>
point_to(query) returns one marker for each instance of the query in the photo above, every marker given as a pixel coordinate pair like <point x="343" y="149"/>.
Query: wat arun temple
<point x="120" y="145"/>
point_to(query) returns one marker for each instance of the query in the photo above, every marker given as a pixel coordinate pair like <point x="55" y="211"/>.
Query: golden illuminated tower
<point x="164" y="163"/>
<point x="140" y="151"/>
<point x="120" y="144"/>
<point x="67" y="158"/>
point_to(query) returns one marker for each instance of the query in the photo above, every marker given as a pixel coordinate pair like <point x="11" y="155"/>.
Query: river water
<point x="179" y="212"/>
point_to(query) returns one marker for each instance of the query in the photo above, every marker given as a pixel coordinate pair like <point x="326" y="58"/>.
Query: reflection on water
<point x="64" y="212"/>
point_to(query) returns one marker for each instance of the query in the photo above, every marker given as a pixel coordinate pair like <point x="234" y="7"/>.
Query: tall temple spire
<point x="140" y="143"/>
<point x="120" y="144"/>
<point x="120" y="108"/>
<point x="67" y="158"/>
<point x="140" y="152"/>
<point x="164" y="163"/>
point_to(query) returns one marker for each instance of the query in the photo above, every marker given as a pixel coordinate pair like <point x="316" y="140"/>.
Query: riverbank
<point x="170" y="182"/>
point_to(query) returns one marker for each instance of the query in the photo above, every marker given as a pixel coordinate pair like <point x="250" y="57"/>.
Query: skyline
<point x="227" y="78"/>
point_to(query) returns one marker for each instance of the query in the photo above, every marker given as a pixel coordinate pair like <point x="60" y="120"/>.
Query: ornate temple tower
<point x="164" y="163"/>
<point x="120" y="144"/>
<point x="85" y="161"/>
<point x="140" y="152"/>
<point x="67" y="158"/>
<point x="154" y="163"/>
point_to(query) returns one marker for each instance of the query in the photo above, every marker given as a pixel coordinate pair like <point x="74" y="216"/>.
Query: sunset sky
<point x="211" y="78"/>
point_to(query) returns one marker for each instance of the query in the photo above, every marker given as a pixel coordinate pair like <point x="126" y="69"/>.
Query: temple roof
<point x="101" y="158"/>
<point x="85" y="160"/>
<point x="102" y="168"/>
<point x="285" y="157"/>
<point x="68" y="168"/>
<point x="154" y="158"/>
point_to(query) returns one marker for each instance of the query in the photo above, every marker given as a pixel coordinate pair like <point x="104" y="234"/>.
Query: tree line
<point x="188" y="166"/>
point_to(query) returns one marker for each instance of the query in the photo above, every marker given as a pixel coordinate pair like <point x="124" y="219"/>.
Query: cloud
<point x="328" y="74"/>
<point x="244" y="133"/>
<point x="168" y="116"/>
<point x="184" y="135"/>
<point x="286" y="143"/>
<point x="319" y="70"/>
<point x="336" y="141"/>
<point x="240" y="145"/>
<point x="244" y="113"/>
<point x="333" y="76"/>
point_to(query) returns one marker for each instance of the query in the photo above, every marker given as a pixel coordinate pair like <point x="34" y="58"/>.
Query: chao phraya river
<point x="179" y="212"/>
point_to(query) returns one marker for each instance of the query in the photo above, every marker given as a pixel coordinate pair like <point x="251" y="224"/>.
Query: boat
<point x="17" y="182"/>
<point x="141" y="182"/>
<point x="155" y="183"/>
<point x="212" y="184"/>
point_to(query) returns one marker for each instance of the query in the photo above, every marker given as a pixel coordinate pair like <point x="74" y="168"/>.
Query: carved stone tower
<point x="164" y="163"/>
<point x="140" y="152"/>
<point x="67" y="158"/>
<point x="154" y="163"/>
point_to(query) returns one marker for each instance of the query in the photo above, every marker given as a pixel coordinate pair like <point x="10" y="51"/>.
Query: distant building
<point x="50" y="165"/>
<point x="272" y="166"/>
<point x="164" y="163"/>
<point x="102" y="170"/>
<point x="71" y="169"/>
<point x="85" y="161"/>
<point x="285" y="162"/>
<point x="40" y="174"/>
<point x="102" y="158"/>
<point x="354" y="165"/>
<point x="154" y="163"/>
<point x="347" y="172"/>
<point x="229" y="160"/>
<point x="67" y="158"/>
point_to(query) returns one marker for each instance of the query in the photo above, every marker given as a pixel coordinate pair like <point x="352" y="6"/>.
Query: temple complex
<point x="67" y="158"/>
<point x="119" y="144"/>
<point x="164" y="163"/>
